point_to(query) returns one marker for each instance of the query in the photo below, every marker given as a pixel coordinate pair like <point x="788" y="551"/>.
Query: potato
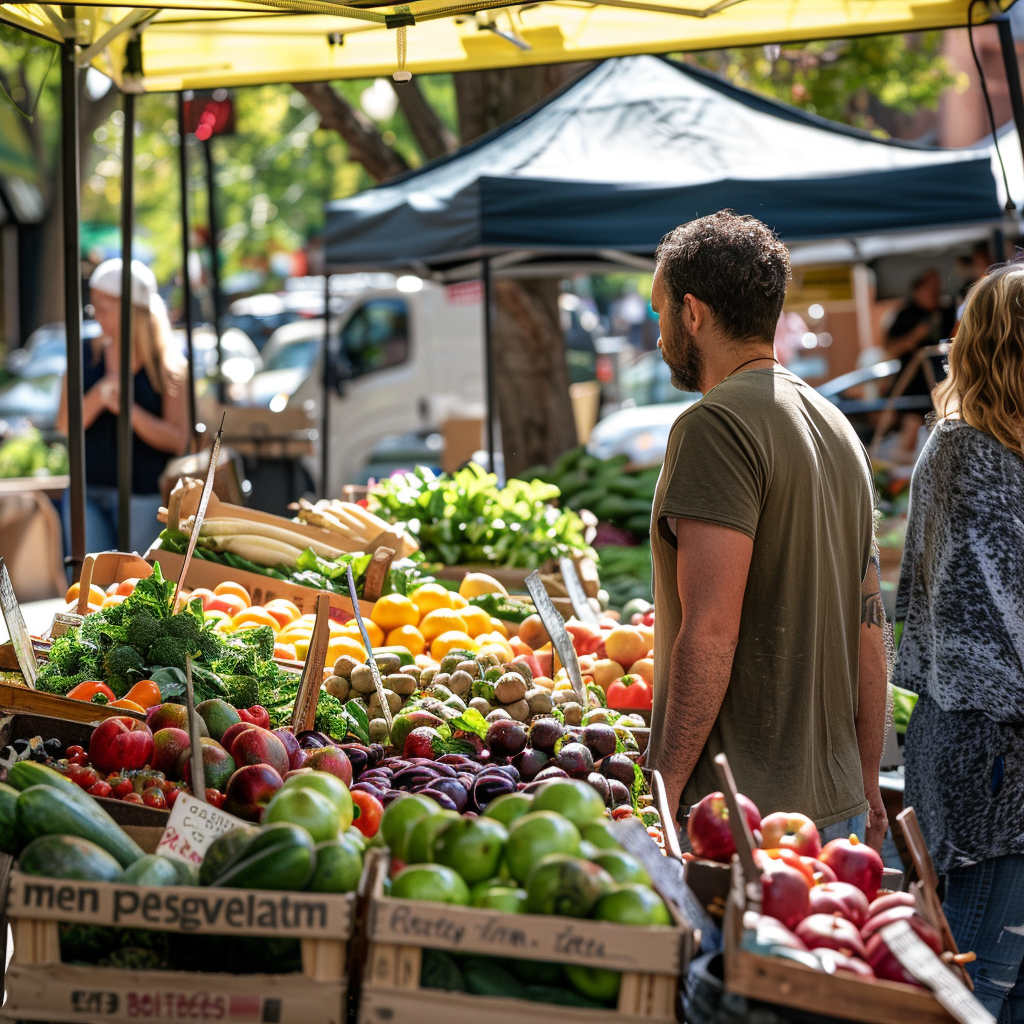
<point x="498" y="714"/>
<point x="519" y="710"/>
<point x="388" y="663"/>
<point x="344" y="665"/>
<point x="440" y="679"/>
<point x="563" y="696"/>
<point x="402" y="683"/>
<point x="540" y="701"/>
<point x="460" y="682"/>
<point x="481" y="705"/>
<point x="427" y="675"/>
<point x="468" y="666"/>
<point x="362" y="679"/>
<point x="510" y="688"/>
<point x="394" y="703"/>
<point x="572" y="712"/>
<point x="455" y="702"/>
<point x="379" y="731"/>
<point x="338" y="687"/>
<point x="439" y="692"/>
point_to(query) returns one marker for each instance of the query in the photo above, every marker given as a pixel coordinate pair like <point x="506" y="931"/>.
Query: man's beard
<point x="688" y="372"/>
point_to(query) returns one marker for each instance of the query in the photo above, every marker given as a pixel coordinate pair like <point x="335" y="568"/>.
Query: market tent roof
<point x="190" y="44"/>
<point x="639" y="145"/>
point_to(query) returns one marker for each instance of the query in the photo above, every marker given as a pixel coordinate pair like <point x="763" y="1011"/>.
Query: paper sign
<point x="192" y="826"/>
<point x="582" y="608"/>
<point x="560" y="639"/>
<point x="17" y="629"/>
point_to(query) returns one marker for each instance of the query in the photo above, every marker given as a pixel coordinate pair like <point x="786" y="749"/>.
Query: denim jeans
<point x="844" y="829"/>
<point x="101" y="520"/>
<point x="985" y="907"/>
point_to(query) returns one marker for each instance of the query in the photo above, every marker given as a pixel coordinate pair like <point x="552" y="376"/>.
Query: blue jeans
<point x="985" y="907"/>
<point x="101" y="520"/>
<point x="844" y="829"/>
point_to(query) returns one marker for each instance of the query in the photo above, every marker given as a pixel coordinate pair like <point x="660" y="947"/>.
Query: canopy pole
<point x="490" y="317"/>
<point x="1009" y="52"/>
<point x="72" y="296"/>
<point x="127" y="391"/>
<point x="327" y="377"/>
<point x="211" y="204"/>
<point x="186" y="280"/>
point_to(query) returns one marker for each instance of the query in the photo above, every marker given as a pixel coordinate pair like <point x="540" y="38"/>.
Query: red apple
<point x="822" y="872"/>
<point x="790" y="831"/>
<point x="708" y="826"/>
<point x="890" y="900"/>
<point x="291" y="746"/>
<point x="885" y="965"/>
<point x="856" y="863"/>
<point x="584" y="637"/>
<point x="786" y="894"/>
<point x="332" y="760"/>
<point x="840" y="898"/>
<point x="831" y="932"/>
<point x="250" y="789"/>
<point x="120" y="743"/>
<point x="925" y="931"/>
<point x="233" y="732"/>
<point x="839" y="963"/>
<point x="298" y="771"/>
<point x="168" y="745"/>
<point x="259" y="746"/>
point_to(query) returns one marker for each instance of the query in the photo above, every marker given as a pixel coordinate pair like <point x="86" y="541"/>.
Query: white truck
<point x="401" y="358"/>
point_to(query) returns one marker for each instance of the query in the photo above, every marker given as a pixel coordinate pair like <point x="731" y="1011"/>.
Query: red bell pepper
<point x="632" y="692"/>
<point x="368" y="812"/>
<point x="89" y="689"/>
<point x="256" y="715"/>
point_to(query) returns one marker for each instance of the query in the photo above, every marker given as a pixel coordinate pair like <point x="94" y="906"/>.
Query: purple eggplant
<point x="489" y="787"/>
<point x="369" y="787"/>
<point x="455" y="790"/>
<point x="312" y="740"/>
<point x="444" y="770"/>
<point x="414" y="778"/>
<point x="359" y="758"/>
<point x="441" y="798"/>
<point x="552" y="771"/>
<point x="390" y="795"/>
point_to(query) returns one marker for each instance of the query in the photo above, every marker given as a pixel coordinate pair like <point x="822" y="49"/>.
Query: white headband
<point x="106" y="278"/>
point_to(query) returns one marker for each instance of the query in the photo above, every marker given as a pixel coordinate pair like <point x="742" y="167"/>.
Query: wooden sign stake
<point x="668" y="818"/>
<point x="21" y="641"/>
<point x="377" y="573"/>
<point x="85" y="583"/>
<point x="304" y="714"/>
<point x="378" y="684"/>
<point x="196" y="747"/>
<point x="738" y="823"/>
<point x="560" y="639"/>
<point x="577" y="596"/>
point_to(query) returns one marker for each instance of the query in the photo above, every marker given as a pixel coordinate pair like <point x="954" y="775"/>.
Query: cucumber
<point x="223" y="850"/>
<point x="280" y="857"/>
<point x="187" y="874"/>
<point x="8" y="832"/>
<point x="48" y="810"/>
<point x="24" y="774"/>
<point x="71" y="857"/>
<point x="150" y="869"/>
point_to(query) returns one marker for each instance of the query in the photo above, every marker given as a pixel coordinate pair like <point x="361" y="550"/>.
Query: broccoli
<point x="153" y="595"/>
<point x="243" y="691"/>
<point x="210" y="645"/>
<point x="169" y="652"/>
<point x="72" y="660"/>
<point x="143" y="631"/>
<point x="123" y="665"/>
<point x="184" y="626"/>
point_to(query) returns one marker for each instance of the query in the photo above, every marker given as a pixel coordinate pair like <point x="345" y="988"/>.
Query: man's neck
<point x="736" y="359"/>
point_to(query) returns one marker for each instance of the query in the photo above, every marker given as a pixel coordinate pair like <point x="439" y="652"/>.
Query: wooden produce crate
<point x="652" y="961"/>
<point x="41" y="987"/>
<point x="787" y="983"/>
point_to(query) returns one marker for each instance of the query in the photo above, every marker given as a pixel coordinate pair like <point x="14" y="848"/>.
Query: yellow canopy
<point x="191" y="44"/>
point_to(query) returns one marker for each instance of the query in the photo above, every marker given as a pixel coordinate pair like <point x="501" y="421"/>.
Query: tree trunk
<point x="433" y="136"/>
<point x="532" y="379"/>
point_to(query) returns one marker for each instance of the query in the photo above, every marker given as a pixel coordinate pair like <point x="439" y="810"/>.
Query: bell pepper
<point x="256" y="715"/>
<point x="129" y="705"/>
<point x="145" y="693"/>
<point x="630" y="692"/>
<point x="87" y="690"/>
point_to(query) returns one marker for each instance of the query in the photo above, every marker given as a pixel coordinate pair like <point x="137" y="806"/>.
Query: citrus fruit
<point x="623" y="867"/>
<point x="600" y="834"/>
<point x="632" y="904"/>
<point x="283" y="610"/>
<point x="255" y="616"/>
<point x="313" y="811"/>
<point x="399" y="817"/>
<point x="535" y="835"/>
<point x="502" y="898"/>
<point x="420" y="842"/>
<point x="476" y="619"/>
<point x="439" y="621"/>
<point x="230" y="587"/>
<point x="476" y="583"/>
<point x="471" y="846"/>
<point x="394" y="610"/>
<point x="509" y="807"/>
<point x="338" y="867"/>
<point x="408" y="637"/>
<point x="566" y="886"/>
<point x="595" y="982"/>
<point x="451" y="641"/>
<point x="576" y="800"/>
<point x="497" y="626"/>
<point x="329" y="786"/>
<point x="430" y="597"/>
<point x="433" y="882"/>
<point x="345" y="645"/>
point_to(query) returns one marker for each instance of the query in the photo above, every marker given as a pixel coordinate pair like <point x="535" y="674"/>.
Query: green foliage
<point x="466" y="517"/>
<point x="123" y="667"/>
<point x="626" y="573"/>
<point x="27" y="454"/>
<point x="838" y="79"/>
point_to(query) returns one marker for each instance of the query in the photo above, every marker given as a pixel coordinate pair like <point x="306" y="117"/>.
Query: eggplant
<point x="369" y="787"/>
<point x="529" y="762"/>
<point x="552" y="771"/>
<point x="357" y="757"/>
<point x="455" y="790"/>
<point x="390" y="795"/>
<point x="489" y="787"/>
<point x="311" y="740"/>
<point x="414" y="778"/>
<point x="441" y="798"/>
<point x="600" y="783"/>
<point x="375" y="754"/>
<point x="445" y="770"/>
<point x="453" y="759"/>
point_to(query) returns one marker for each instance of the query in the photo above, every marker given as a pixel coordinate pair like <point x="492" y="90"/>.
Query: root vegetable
<point x="511" y="687"/>
<point x="361" y="679"/>
<point x="338" y="687"/>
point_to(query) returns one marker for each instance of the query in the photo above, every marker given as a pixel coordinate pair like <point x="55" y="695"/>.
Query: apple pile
<point x="824" y="901"/>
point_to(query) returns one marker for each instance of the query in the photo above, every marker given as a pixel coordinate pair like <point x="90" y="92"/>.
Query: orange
<point x="408" y="637"/>
<point x="112" y="599"/>
<point x="394" y="610"/>
<point x="430" y="597"/>
<point x="286" y="652"/>
<point x="129" y="705"/>
<point x="497" y="626"/>
<point x="458" y="601"/>
<point x="443" y="620"/>
<point x="453" y="639"/>
<point x="344" y="645"/>
<point x="96" y="594"/>
<point x="255" y="616"/>
<point x="476" y="619"/>
<point x="230" y="587"/>
<point x="291" y="633"/>
<point x="373" y="631"/>
<point x="283" y="610"/>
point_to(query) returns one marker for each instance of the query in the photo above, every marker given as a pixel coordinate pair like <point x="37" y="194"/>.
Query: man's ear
<point x="695" y="313"/>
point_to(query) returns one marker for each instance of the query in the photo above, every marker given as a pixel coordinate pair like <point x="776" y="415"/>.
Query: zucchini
<point x="47" y="810"/>
<point x="71" y="857"/>
<point x="223" y="850"/>
<point x="8" y="832"/>
<point x="188" y="874"/>
<point x="23" y="774"/>
<point x="150" y="869"/>
<point x="282" y="856"/>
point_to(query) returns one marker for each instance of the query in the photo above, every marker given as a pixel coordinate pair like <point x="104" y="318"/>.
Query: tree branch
<point x="365" y="144"/>
<point x="435" y="138"/>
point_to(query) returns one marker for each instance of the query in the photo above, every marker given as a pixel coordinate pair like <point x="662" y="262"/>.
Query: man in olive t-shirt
<point x="769" y="638"/>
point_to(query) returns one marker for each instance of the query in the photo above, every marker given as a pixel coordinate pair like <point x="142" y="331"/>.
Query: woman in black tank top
<point x="159" y="412"/>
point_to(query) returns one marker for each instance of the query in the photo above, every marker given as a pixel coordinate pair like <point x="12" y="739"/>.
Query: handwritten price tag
<point x="192" y="826"/>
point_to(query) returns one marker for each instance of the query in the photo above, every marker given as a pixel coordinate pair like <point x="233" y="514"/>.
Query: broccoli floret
<point x="243" y="691"/>
<point x="169" y="652"/>
<point x="152" y="595"/>
<point x="72" y="660"/>
<point x="123" y="665"/>
<point x="144" y="631"/>
<point x="210" y="645"/>
<point x="185" y="626"/>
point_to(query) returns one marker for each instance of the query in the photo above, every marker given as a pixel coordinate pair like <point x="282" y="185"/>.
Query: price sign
<point x="20" y="639"/>
<point x="192" y="826"/>
<point x="577" y="596"/>
<point x="560" y="639"/>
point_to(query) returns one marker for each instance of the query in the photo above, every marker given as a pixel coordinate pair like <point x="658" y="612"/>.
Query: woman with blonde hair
<point x="961" y="599"/>
<point x="159" y="412"/>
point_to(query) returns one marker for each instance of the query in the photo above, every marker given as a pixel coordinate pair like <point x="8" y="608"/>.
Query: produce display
<point x="466" y="518"/>
<point x="626" y="575"/>
<point x="27" y="454"/>
<point x="821" y="906"/>
<point x="351" y="521"/>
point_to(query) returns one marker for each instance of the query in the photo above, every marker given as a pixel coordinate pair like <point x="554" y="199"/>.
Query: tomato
<point x="122" y="788"/>
<point x="215" y="798"/>
<point x="76" y="755"/>
<point x="630" y="692"/>
<point x="132" y="798"/>
<point x="100" y="788"/>
<point x="86" y="777"/>
<point x="368" y="811"/>
<point x="154" y="797"/>
<point x="171" y="795"/>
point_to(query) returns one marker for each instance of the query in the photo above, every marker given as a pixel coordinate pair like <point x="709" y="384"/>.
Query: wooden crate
<point x="786" y="983"/>
<point x="41" y="987"/>
<point x="652" y="960"/>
